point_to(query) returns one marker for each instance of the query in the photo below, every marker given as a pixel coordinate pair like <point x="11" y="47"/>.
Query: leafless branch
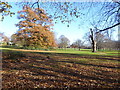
<point x="108" y="28"/>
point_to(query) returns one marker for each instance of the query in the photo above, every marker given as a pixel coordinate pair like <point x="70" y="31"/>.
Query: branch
<point x="33" y="4"/>
<point x="108" y="28"/>
<point x="116" y="1"/>
<point x="36" y="3"/>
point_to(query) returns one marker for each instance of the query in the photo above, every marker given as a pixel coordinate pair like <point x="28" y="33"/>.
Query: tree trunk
<point x="94" y="46"/>
<point x="93" y="41"/>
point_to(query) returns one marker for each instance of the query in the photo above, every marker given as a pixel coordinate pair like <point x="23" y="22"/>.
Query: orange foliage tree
<point x="34" y="29"/>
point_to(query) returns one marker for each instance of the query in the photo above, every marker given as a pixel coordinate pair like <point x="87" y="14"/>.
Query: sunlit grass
<point x="87" y="52"/>
<point x="70" y="51"/>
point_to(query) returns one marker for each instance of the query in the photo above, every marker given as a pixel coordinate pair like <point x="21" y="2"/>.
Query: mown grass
<point x="71" y="51"/>
<point x="60" y="69"/>
<point x="88" y="52"/>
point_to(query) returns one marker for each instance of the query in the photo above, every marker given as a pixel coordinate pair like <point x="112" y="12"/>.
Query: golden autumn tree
<point x="34" y="28"/>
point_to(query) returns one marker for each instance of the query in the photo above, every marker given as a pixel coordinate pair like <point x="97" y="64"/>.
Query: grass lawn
<point x="60" y="69"/>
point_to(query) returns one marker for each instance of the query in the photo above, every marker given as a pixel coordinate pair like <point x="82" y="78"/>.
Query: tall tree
<point x="34" y="28"/>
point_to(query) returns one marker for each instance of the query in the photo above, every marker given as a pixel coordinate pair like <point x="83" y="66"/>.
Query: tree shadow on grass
<point x="67" y="74"/>
<point x="89" y="64"/>
<point x="46" y="65"/>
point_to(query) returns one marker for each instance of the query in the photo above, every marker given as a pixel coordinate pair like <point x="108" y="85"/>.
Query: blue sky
<point x="73" y="32"/>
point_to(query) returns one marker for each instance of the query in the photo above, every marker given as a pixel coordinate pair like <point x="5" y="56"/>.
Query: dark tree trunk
<point x="94" y="46"/>
<point x="93" y="41"/>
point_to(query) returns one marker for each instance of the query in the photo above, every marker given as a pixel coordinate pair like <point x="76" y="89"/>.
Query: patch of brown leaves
<point x="45" y="70"/>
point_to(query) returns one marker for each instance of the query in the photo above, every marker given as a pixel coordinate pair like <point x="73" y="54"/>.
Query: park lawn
<point x="70" y="50"/>
<point x="60" y="69"/>
<point x="88" y="52"/>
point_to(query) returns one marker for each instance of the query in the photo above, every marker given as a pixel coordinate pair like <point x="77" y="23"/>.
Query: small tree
<point x="63" y="42"/>
<point x="4" y="39"/>
<point x="77" y="44"/>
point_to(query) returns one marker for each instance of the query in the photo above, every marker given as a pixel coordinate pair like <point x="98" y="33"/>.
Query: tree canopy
<point x="108" y="14"/>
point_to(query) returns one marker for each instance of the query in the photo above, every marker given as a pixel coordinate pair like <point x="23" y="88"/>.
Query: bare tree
<point x="63" y="42"/>
<point x="77" y="44"/>
<point x="4" y="39"/>
<point x="96" y="40"/>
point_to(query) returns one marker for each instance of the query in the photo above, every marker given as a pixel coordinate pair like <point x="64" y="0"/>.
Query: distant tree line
<point x="102" y="43"/>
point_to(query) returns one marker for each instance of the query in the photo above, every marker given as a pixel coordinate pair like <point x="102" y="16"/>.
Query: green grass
<point x="88" y="52"/>
<point x="75" y="51"/>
